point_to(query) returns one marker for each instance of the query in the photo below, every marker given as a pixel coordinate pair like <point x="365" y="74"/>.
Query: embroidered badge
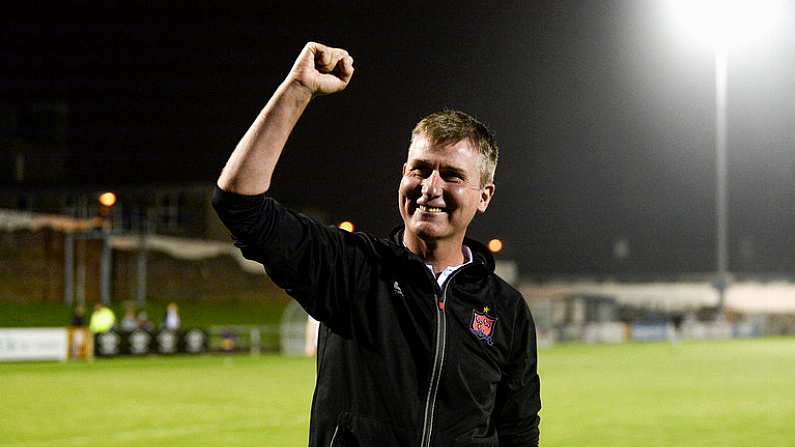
<point x="396" y="290"/>
<point x="483" y="325"/>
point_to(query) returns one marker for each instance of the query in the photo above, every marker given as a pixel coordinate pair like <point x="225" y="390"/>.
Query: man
<point x="420" y="344"/>
<point x="171" y="320"/>
<point x="102" y="319"/>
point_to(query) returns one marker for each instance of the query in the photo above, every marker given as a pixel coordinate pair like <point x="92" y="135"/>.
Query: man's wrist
<point x="297" y="90"/>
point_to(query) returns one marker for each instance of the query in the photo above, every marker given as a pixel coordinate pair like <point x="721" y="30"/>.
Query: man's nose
<point x="432" y="185"/>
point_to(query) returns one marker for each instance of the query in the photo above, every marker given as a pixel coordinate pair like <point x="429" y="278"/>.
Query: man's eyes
<point x="446" y="176"/>
<point x="453" y="177"/>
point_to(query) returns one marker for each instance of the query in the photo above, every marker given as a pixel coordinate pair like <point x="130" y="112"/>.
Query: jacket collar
<point x="480" y="254"/>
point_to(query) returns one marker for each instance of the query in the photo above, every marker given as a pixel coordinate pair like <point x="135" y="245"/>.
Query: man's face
<point x="440" y="191"/>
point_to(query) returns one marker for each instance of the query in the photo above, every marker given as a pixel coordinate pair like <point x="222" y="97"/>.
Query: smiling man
<point x="447" y="179"/>
<point x="421" y="344"/>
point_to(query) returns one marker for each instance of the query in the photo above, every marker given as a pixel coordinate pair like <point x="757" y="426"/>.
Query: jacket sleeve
<point x="320" y="266"/>
<point x="519" y="393"/>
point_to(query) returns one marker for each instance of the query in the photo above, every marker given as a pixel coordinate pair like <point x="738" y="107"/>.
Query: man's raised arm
<point x="319" y="70"/>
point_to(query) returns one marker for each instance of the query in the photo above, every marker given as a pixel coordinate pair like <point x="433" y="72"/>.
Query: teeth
<point x="429" y="209"/>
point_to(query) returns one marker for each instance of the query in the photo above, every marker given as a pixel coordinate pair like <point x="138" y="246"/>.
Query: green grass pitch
<point x="725" y="393"/>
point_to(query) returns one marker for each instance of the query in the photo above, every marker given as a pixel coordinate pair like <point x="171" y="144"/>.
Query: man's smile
<point x="429" y="209"/>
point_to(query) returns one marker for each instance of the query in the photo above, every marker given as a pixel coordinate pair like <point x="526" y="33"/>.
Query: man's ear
<point x="486" y="193"/>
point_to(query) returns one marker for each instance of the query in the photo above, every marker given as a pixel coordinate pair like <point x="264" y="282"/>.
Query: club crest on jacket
<point x="482" y="325"/>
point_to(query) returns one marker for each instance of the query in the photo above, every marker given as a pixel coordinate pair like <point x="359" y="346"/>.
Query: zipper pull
<point x="440" y="305"/>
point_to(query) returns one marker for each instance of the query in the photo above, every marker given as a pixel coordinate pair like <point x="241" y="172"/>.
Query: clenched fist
<point x="322" y="70"/>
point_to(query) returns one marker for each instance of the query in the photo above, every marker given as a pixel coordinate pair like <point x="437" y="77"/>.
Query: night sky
<point x="604" y="114"/>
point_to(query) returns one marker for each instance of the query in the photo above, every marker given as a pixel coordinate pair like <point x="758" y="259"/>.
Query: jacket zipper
<point x="438" y="360"/>
<point x="334" y="436"/>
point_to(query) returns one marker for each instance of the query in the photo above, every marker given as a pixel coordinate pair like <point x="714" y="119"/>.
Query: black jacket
<point x="401" y="361"/>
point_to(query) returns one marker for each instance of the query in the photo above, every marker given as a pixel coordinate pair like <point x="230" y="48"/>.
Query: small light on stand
<point x="107" y="200"/>
<point x="495" y="245"/>
<point x="346" y="225"/>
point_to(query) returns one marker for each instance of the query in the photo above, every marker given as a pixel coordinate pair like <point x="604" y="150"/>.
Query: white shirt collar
<point x="449" y="270"/>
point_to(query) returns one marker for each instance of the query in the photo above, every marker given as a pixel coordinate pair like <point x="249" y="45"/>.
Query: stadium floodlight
<point x="723" y="24"/>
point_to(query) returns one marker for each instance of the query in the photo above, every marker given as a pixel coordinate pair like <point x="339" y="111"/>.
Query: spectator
<point x="78" y="334"/>
<point x="129" y="323"/>
<point x="102" y="319"/>
<point x="144" y="323"/>
<point x="171" y="319"/>
<point x="79" y="316"/>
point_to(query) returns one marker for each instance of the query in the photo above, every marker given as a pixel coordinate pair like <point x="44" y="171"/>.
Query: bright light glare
<point x="107" y="199"/>
<point x="725" y="23"/>
<point x="495" y="245"/>
<point x="346" y="225"/>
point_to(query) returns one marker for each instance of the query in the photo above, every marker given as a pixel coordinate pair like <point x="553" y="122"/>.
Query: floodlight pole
<point x="105" y="268"/>
<point x="722" y="173"/>
<point x="69" y="268"/>
<point x="140" y="290"/>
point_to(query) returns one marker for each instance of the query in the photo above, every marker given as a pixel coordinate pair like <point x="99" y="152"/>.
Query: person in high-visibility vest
<point x="102" y="319"/>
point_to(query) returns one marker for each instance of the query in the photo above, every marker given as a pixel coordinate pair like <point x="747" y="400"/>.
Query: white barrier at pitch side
<point x="609" y="332"/>
<point x="33" y="344"/>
